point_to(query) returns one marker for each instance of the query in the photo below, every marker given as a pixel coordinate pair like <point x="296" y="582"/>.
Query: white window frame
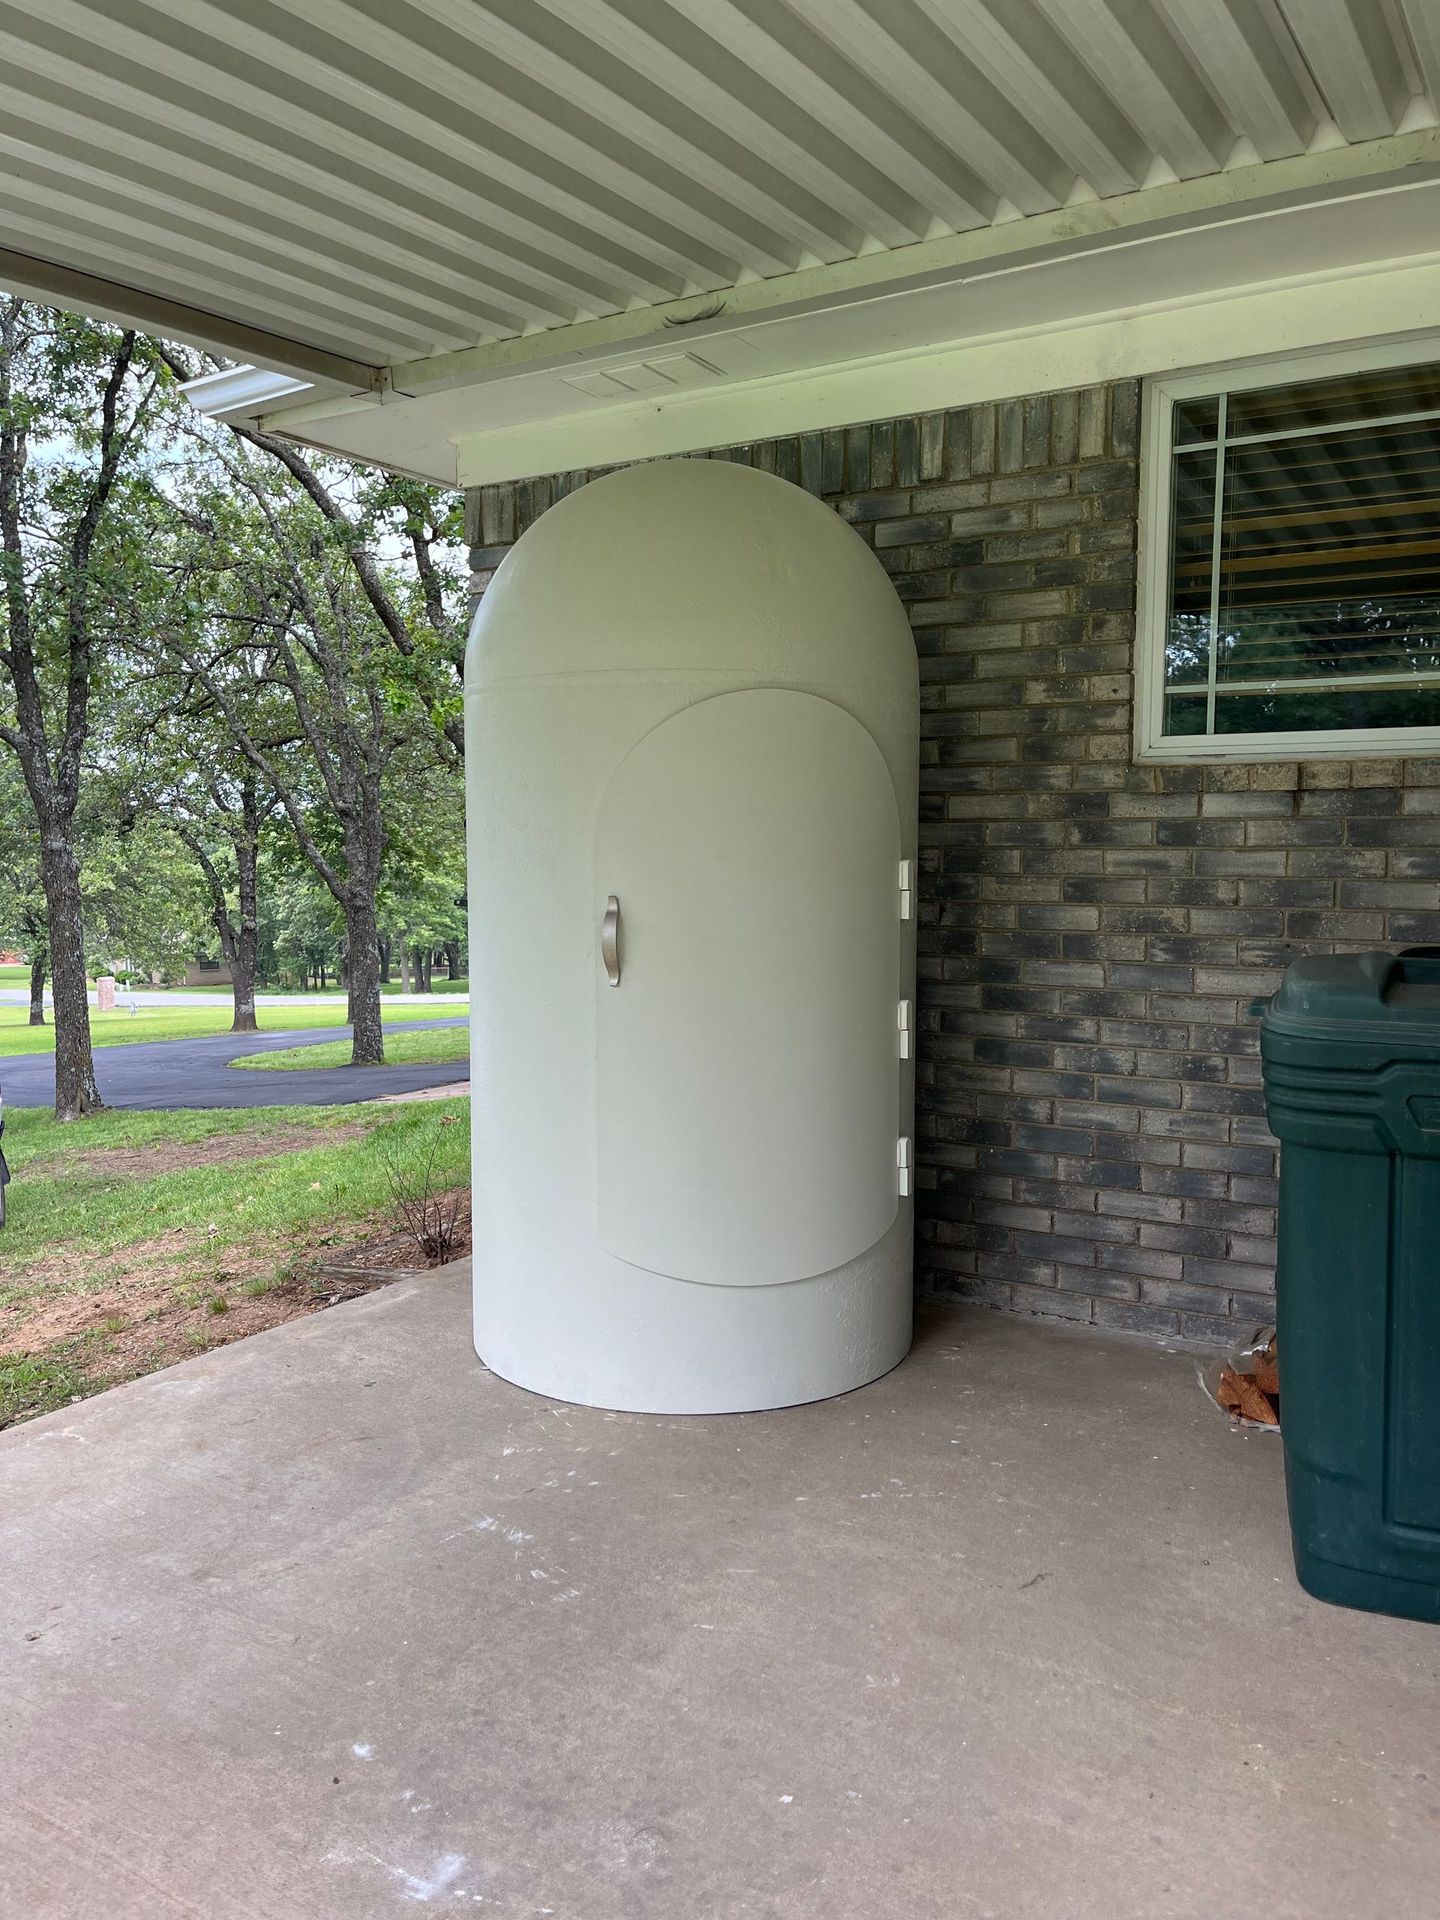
<point x="1153" y="595"/>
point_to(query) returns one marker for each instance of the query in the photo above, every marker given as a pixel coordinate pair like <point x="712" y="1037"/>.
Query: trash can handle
<point x="1420" y="963"/>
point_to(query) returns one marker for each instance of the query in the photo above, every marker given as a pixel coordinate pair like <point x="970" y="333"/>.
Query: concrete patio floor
<point x="331" y="1624"/>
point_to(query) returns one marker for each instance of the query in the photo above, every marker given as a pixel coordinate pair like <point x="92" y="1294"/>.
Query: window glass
<point x="1310" y="601"/>
<point x="1317" y="403"/>
<point x="1197" y="419"/>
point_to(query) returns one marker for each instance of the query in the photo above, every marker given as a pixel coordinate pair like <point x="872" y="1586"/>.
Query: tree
<point x="232" y="808"/>
<point x="419" y="614"/>
<point x="176" y="758"/>
<point x="143" y="908"/>
<point x="303" y="927"/>
<point x="423" y="892"/>
<point x="75" y="400"/>
<point x="276" y="621"/>
<point x="422" y="612"/>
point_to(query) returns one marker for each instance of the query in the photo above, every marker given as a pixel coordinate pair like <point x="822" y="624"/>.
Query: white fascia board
<point x="242" y="391"/>
<point x="874" y="337"/>
<point x="1152" y="211"/>
<point x="1363" y="303"/>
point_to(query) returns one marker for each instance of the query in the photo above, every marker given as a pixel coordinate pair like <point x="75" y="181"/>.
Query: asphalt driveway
<point x="196" y="1073"/>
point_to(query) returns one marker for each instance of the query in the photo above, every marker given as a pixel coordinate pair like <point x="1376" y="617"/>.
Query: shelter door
<point x="748" y="1075"/>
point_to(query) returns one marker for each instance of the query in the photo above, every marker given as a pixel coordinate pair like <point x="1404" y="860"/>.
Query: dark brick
<point x="1125" y="1317"/>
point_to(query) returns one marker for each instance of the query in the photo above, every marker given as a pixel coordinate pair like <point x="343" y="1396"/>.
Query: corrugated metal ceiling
<point x="390" y="179"/>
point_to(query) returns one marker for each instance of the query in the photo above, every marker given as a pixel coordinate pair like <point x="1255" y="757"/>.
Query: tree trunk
<point x="406" y="982"/>
<point x="246" y="955"/>
<point x="452" y="959"/>
<point x="368" y="1048"/>
<point x="37" y="992"/>
<point x="384" y="943"/>
<point x="76" y="1093"/>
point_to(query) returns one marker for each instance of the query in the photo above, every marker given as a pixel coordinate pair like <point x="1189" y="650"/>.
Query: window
<point x="1290" y="603"/>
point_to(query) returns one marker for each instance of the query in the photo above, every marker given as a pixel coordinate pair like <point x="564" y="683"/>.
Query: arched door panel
<point x="747" y="1072"/>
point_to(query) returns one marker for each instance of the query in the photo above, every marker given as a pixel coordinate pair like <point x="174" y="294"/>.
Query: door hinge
<point x="902" y="1165"/>
<point x="907" y="888"/>
<point x="903" y="1021"/>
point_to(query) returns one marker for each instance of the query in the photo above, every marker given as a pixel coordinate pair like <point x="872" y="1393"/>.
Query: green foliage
<point x="302" y="929"/>
<point x="247" y="608"/>
<point x="57" y="376"/>
<point x="139" y="893"/>
<point x="144" y="907"/>
<point x="34" y="1384"/>
<point x="336" y="1174"/>
<point x="22" y="899"/>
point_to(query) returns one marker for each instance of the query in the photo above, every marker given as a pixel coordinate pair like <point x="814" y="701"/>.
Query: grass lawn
<point x="135" y="1239"/>
<point x="401" y="1049"/>
<point x="389" y="988"/>
<point x="187" y="1023"/>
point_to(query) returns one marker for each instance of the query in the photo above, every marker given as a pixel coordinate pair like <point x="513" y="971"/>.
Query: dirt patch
<point x="136" y="1331"/>
<point x="158" y="1305"/>
<point x="168" y="1156"/>
<point x="141" y="1282"/>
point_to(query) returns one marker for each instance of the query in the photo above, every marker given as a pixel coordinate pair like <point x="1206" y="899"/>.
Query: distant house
<point x="207" y="972"/>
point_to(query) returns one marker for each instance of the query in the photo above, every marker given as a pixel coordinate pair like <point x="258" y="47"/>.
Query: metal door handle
<point x="610" y="940"/>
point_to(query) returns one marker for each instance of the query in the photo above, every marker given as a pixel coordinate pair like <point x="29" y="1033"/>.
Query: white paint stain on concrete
<point x="445" y="1872"/>
<point x="420" y="1886"/>
<point x="488" y="1523"/>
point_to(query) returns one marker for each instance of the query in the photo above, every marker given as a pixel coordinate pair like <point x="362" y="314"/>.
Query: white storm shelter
<point x="692" y="713"/>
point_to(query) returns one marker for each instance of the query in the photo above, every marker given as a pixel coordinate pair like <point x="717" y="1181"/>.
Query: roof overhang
<point x="476" y="241"/>
<point x="1176" y="276"/>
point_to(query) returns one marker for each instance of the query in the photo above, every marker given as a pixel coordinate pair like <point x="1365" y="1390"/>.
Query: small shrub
<point x="426" y="1211"/>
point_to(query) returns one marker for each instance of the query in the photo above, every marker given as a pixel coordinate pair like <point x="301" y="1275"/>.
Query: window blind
<point x="1305" y="557"/>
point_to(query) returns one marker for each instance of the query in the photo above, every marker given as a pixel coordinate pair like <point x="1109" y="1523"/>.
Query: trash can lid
<point x="1394" y="994"/>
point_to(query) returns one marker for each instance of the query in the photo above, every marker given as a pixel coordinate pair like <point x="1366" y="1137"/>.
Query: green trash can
<point x="1350" y="1046"/>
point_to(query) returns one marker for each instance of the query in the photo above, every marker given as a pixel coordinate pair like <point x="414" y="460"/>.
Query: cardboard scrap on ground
<point x="1252" y="1391"/>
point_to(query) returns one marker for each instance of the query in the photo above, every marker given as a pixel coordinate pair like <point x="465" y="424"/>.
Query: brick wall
<point x="1091" y="1140"/>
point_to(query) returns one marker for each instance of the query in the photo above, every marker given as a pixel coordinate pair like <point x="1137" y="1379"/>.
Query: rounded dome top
<point x="685" y="565"/>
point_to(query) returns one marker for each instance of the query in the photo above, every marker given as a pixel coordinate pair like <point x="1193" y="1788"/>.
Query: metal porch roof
<point x="335" y="188"/>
